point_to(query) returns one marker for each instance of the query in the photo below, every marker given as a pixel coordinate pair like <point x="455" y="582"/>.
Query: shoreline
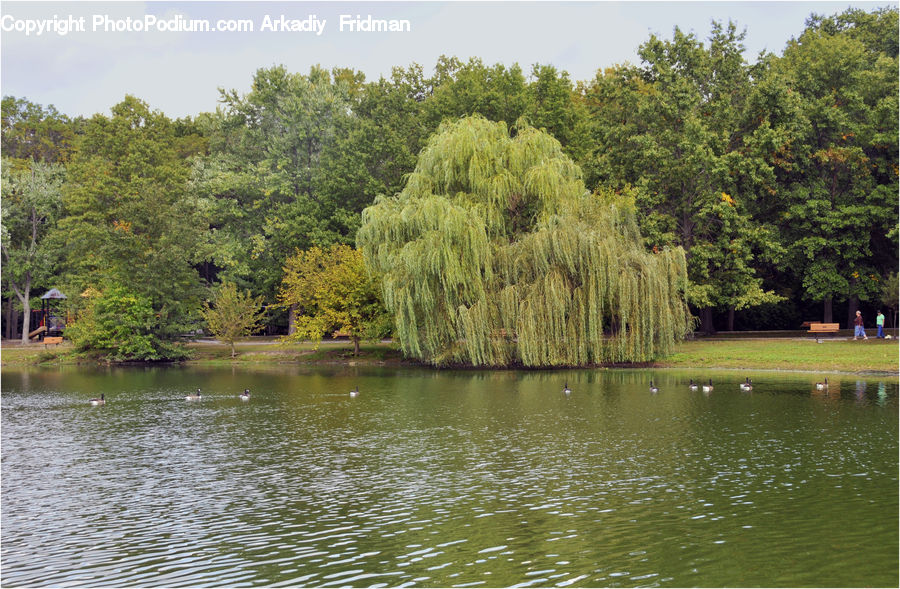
<point x="863" y="358"/>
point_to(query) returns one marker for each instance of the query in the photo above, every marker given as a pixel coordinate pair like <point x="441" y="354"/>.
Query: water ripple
<point x="441" y="480"/>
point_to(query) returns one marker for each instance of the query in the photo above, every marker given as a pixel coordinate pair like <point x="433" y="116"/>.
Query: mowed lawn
<point x="788" y="354"/>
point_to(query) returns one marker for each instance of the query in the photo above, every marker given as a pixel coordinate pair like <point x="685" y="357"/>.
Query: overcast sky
<point x="179" y="72"/>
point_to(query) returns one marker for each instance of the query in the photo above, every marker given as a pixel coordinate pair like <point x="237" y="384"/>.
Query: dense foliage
<point x="121" y="324"/>
<point x="129" y="220"/>
<point x="683" y="128"/>
<point x="777" y="177"/>
<point x="31" y="204"/>
<point x="333" y="293"/>
<point x="495" y="254"/>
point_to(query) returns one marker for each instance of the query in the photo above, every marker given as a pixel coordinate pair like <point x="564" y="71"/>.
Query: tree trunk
<point x="731" y="318"/>
<point x="26" y="313"/>
<point x="706" y="321"/>
<point x="15" y="323"/>
<point x="26" y="322"/>
<point x="10" y="328"/>
<point x="852" y="306"/>
<point x="356" y="346"/>
<point x="292" y="319"/>
<point x="827" y="314"/>
<point x="233" y="354"/>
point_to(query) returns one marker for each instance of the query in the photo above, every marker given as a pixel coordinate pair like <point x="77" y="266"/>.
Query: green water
<point x="446" y="478"/>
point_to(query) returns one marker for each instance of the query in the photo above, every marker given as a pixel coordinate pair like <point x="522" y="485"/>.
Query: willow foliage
<point x="495" y="254"/>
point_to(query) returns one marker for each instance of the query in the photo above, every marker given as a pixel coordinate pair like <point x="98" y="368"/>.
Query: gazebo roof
<point x="53" y="294"/>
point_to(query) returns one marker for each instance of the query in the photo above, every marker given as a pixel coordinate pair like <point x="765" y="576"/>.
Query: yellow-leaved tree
<point x="333" y="292"/>
<point x="233" y="314"/>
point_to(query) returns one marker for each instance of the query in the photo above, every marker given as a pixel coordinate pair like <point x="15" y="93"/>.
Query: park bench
<point x="819" y="329"/>
<point x="53" y="340"/>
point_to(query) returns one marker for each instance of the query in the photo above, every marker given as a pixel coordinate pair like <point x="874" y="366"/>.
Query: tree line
<point x="778" y="179"/>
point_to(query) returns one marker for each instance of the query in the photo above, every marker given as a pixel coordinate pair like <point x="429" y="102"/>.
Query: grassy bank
<point x="255" y="350"/>
<point x="756" y="354"/>
<point x="340" y="352"/>
<point x="780" y="354"/>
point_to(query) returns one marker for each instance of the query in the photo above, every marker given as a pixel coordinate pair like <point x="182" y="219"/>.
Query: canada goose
<point x="193" y="397"/>
<point x="100" y="401"/>
<point x="245" y="396"/>
<point x="566" y="388"/>
<point x="747" y="385"/>
<point x="822" y="385"/>
<point x="708" y="387"/>
<point x="354" y="392"/>
<point x="693" y="386"/>
<point x="653" y="389"/>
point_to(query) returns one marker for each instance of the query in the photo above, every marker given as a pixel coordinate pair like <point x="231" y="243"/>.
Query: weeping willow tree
<point x="495" y="254"/>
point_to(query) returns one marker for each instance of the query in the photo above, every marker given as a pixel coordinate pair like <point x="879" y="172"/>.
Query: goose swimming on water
<point x="195" y="397"/>
<point x="100" y="401"/>
<point x="566" y="388"/>
<point x="693" y="386"/>
<point x="653" y="389"/>
<point x="708" y="387"/>
<point x="354" y="392"/>
<point x="747" y="385"/>
<point x="822" y="386"/>
<point x="245" y="396"/>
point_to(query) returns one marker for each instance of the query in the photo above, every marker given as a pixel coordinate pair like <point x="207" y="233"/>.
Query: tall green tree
<point x="374" y="148"/>
<point x="31" y="204"/>
<point x="555" y="106"/>
<point x="494" y="254"/>
<point x="677" y="129"/>
<point x="266" y="181"/>
<point x="842" y="182"/>
<point x="293" y="163"/>
<point x="546" y="98"/>
<point x="30" y="133"/>
<point x="460" y="89"/>
<point x="33" y="132"/>
<point x="130" y="221"/>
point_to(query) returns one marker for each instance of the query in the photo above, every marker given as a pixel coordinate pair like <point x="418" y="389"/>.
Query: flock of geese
<point x="747" y="385"/>
<point x="245" y="396"/>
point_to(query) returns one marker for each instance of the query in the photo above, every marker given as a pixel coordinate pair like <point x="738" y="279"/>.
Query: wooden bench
<point x="822" y="328"/>
<point x="53" y="340"/>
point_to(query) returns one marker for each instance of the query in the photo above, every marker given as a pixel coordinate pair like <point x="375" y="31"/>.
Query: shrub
<point x="120" y="324"/>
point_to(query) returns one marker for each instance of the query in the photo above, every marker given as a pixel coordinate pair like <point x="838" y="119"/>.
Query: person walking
<point x="858" y="327"/>
<point x="879" y="321"/>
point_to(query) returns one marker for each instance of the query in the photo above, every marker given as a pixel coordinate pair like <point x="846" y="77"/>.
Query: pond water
<point x="446" y="478"/>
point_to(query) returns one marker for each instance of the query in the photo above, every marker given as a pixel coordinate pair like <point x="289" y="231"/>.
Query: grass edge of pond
<point x="779" y="354"/>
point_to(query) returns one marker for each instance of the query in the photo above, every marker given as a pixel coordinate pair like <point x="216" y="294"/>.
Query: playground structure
<point x="48" y="320"/>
